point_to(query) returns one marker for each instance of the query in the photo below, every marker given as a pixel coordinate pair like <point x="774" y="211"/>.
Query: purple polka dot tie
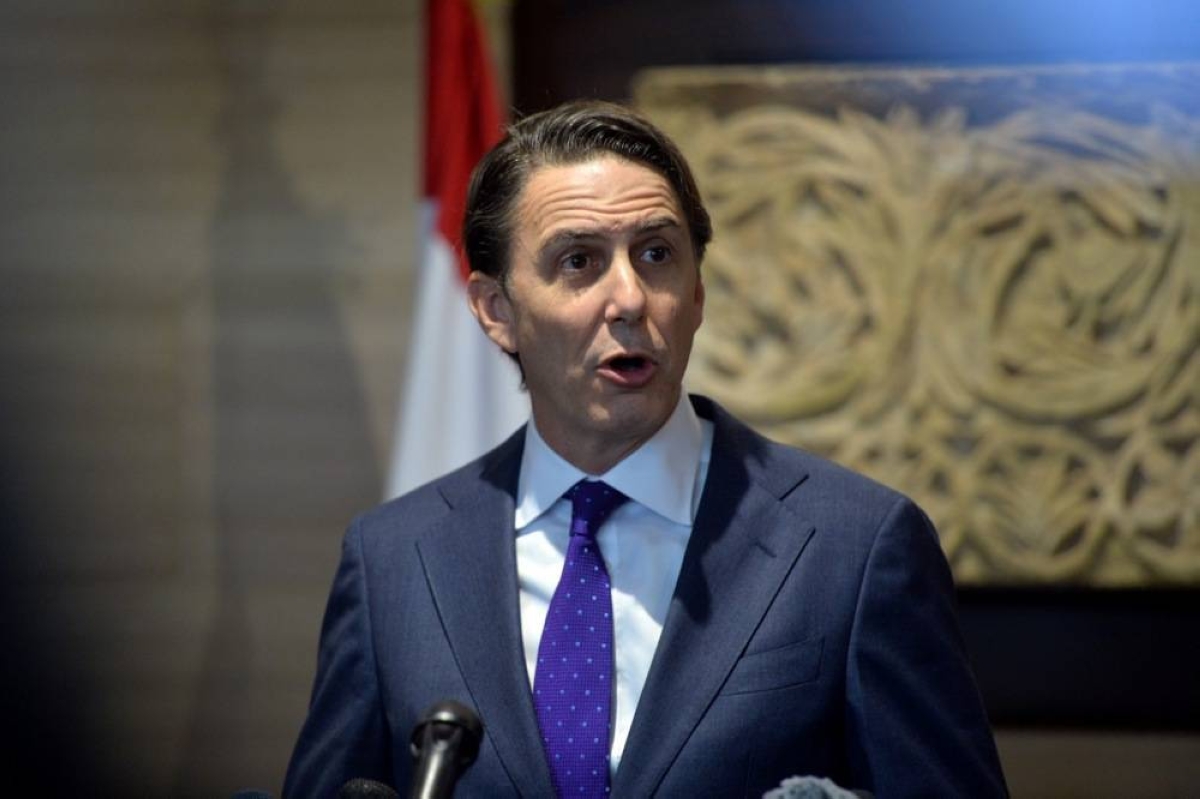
<point x="572" y="685"/>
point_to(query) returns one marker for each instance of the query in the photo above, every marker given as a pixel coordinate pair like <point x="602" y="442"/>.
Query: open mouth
<point x="628" y="371"/>
<point x="627" y="364"/>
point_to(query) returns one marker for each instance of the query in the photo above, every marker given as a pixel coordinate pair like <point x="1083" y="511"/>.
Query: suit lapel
<point x="469" y="559"/>
<point x="744" y="543"/>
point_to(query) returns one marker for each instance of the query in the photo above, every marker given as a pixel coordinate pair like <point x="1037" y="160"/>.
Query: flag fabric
<point x="461" y="395"/>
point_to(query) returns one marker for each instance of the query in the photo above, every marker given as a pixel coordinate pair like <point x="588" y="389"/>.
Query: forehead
<point x="600" y="194"/>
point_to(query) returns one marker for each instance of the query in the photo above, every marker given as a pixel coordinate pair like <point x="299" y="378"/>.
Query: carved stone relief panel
<point x="979" y="286"/>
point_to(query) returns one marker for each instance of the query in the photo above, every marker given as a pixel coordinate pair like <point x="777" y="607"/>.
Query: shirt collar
<point x="660" y="474"/>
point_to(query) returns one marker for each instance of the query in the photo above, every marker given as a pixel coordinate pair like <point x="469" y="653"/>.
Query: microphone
<point x="366" y="789"/>
<point x="444" y="744"/>
<point x="808" y="787"/>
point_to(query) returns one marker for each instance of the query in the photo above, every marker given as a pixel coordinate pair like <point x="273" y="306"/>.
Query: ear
<point x="699" y="299"/>
<point x="493" y="310"/>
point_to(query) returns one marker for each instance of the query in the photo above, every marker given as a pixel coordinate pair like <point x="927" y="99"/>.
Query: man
<point x="736" y="613"/>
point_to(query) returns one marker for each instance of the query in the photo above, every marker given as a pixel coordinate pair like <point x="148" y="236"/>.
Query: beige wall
<point x="207" y="244"/>
<point x="206" y="249"/>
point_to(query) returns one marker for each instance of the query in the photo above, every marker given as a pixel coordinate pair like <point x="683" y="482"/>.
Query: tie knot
<point x="592" y="501"/>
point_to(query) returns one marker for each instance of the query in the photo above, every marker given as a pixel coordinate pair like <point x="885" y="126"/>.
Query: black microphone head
<point x="250" y="793"/>
<point x="450" y="712"/>
<point x="446" y="719"/>
<point x="366" y="789"/>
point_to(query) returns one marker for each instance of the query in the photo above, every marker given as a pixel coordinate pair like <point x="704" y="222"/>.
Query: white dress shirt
<point x="642" y="543"/>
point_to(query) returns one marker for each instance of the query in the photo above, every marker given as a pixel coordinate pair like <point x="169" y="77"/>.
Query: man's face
<point x="603" y="298"/>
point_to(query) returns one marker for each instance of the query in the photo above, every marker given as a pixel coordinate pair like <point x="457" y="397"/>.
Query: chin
<point x="636" y="414"/>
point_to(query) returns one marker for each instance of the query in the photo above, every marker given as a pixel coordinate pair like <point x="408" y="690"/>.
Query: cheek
<point x="552" y="343"/>
<point x="679" y="316"/>
<point x="683" y="326"/>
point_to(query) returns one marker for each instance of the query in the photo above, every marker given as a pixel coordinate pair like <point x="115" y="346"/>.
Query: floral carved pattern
<point x="981" y="287"/>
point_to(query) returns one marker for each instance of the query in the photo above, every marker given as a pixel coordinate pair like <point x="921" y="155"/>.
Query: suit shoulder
<point x="854" y="508"/>
<point x="783" y="468"/>
<point x="804" y="480"/>
<point x="843" y="480"/>
<point x="402" y="513"/>
<point x="427" y="503"/>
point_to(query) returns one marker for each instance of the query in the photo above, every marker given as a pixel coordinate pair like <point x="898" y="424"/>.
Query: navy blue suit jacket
<point x="812" y="631"/>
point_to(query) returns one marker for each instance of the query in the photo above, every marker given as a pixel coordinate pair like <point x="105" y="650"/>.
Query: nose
<point x="626" y="292"/>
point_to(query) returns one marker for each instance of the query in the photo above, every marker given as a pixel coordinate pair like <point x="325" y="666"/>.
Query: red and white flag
<point x="461" y="395"/>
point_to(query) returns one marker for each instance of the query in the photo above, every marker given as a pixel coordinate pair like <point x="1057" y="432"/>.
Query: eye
<point x="575" y="261"/>
<point x="656" y="254"/>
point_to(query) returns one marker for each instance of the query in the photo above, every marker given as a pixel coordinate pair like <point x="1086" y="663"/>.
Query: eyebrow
<point x="570" y="236"/>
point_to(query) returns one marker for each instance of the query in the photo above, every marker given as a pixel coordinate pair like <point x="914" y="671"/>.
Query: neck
<point x="597" y="444"/>
<point x="596" y="460"/>
<point x="597" y="453"/>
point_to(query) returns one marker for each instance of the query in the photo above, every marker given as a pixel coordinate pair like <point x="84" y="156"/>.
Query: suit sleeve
<point x="345" y="735"/>
<point x="916" y="724"/>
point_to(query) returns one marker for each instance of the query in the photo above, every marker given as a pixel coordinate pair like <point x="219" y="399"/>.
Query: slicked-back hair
<point x="569" y="134"/>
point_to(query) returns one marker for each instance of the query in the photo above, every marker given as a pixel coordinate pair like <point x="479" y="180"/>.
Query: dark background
<point x="207" y="247"/>
<point x="1045" y="657"/>
<point x="592" y="48"/>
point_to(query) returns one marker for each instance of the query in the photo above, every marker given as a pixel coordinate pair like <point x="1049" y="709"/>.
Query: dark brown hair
<point x="569" y="134"/>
